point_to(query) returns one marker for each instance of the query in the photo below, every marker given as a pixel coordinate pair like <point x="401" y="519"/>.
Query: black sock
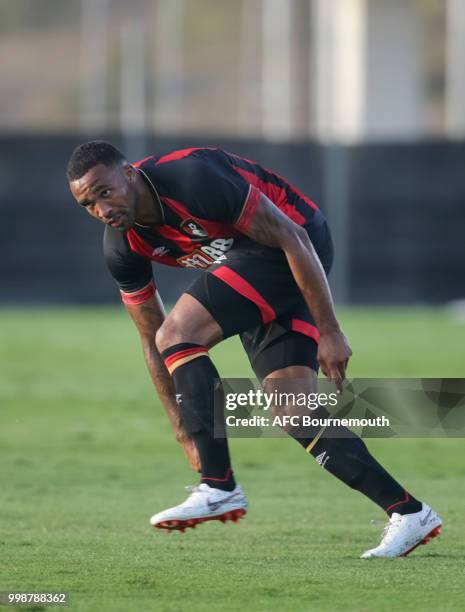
<point x="349" y="460"/>
<point x="194" y="377"/>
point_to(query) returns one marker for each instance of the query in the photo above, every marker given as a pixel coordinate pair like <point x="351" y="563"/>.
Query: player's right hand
<point x="334" y="353"/>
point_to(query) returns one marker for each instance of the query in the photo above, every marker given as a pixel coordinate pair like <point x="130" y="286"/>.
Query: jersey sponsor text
<point x="204" y="256"/>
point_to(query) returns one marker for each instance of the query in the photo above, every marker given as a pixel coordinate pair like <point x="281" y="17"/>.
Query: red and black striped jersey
<point x="208" y="197"/>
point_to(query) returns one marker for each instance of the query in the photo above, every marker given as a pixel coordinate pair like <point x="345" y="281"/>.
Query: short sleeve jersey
<point x="208" y="197"/>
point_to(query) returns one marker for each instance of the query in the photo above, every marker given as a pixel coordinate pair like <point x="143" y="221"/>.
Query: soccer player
<point x="266" y="249"/>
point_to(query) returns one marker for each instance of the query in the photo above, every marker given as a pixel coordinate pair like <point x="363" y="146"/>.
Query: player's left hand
<point x="334" y="353"/>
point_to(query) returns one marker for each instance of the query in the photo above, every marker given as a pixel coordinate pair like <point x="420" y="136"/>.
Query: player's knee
<point x="177" y="330"/>
<point x="168" y="334"/>
<point x="301" y="378"/>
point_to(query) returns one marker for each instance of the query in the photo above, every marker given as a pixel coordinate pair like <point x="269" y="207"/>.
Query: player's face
<point x="108" y="194"/>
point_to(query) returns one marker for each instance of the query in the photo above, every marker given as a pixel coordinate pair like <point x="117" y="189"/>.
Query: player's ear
<point x="130" y="172"/>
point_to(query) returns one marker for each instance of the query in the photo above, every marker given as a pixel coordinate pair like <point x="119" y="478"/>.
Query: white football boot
<point x="203" y="504"/>
<point x="403" y="533"/>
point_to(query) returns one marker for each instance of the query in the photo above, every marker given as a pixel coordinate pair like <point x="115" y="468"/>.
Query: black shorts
<point x="252" y="292"/>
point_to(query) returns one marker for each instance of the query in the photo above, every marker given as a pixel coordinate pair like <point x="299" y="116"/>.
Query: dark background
<point x="405" y="221"/>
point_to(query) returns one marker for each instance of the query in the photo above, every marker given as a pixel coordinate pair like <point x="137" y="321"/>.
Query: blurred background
<point x="360" y="103"/>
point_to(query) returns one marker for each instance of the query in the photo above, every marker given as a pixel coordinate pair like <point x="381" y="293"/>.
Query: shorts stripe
<point x="239" y="284"/>
<point x="305" y="328"/>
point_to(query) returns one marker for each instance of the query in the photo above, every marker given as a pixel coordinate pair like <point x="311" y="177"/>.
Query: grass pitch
<point x="87" y="456"/>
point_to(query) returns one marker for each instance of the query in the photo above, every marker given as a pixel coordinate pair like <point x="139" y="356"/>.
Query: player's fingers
<point x="323" y="367"/>
<point x="335" y="376"/>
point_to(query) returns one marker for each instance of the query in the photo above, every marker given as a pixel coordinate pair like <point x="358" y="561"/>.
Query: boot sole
<point x="434" y="533"/>
<point x="182" y="525"/>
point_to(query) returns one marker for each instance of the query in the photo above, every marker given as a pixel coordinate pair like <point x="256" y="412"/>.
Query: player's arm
<point x="133" y="275"/>
<point x="269" y="226"/>
<point x="148" y="317"/>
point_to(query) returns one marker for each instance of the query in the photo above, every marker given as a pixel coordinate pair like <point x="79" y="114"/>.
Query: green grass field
<point x="87" y="456"/>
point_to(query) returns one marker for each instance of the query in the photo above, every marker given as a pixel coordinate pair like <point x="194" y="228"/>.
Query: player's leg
<point x="183" y="341"/>
<point x="338" y="450"/>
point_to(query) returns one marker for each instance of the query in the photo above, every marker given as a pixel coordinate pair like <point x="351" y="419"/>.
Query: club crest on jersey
<point x="160" y="251"/>
<point x="193" y="229"/>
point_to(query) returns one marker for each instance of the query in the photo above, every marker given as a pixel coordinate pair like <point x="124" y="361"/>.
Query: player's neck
<point x="149" y="207"/>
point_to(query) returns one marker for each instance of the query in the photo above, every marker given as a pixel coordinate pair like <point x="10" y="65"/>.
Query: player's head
<point x="103" y="182"/>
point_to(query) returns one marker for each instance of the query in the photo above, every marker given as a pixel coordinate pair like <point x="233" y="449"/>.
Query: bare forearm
<point x="148" y="318"/>
<point x="160" y="377"/>
<point x="271" y="227"/>
<point x="163" y="384"/>
<point x="333" y="350"/>
<point x="311" y="280"/>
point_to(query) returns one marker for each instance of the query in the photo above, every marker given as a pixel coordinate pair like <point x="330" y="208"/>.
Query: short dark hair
<point x="90" y="154"/>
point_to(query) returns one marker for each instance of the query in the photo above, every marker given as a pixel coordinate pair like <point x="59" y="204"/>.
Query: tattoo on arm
<point x="268" y="224"/>
<point x="148" y="318"/>
<point x="271" y="227"/>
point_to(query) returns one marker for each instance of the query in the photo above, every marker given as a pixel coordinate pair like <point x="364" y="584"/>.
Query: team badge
<point x="160" y="251"/>
<point x="193" y="229"/>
